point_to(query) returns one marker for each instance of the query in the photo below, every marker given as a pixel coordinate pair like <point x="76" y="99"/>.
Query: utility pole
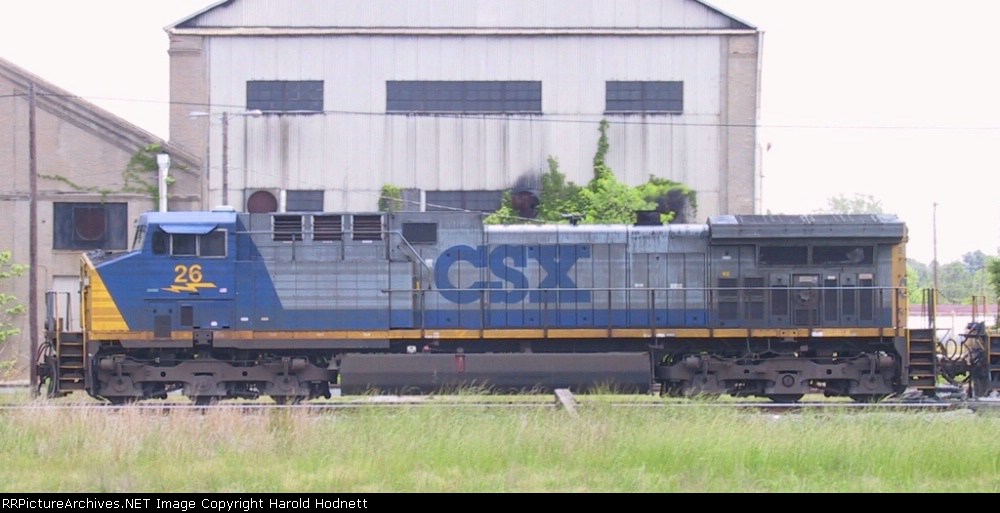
<point x="32" y="243"/>
<point x="935" y="269"/>
<point x="225" y="158"/>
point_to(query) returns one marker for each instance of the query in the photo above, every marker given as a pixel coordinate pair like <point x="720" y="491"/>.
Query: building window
<point x="83" y="226"/>
<point x="285" y="95"/>
<point x="474" y="97"/>
<point x="304" y="201"/>
<point x="475" y="201"/>
<point x="262" y="202"/>
<point x="645" y="97"/>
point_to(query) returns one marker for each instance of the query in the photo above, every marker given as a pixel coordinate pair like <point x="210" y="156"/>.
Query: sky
<point x="896" y="99"/>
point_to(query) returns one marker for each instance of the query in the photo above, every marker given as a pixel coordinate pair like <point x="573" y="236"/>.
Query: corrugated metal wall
<point x="354" y="148"/>
<point x="573" y="47"/>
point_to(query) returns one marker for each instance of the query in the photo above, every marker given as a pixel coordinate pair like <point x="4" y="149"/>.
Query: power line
<point x="561" y="118"/>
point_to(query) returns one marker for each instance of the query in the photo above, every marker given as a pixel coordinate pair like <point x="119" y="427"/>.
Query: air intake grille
<point x="368" y="227"/>
<point x="328" y="228"/>
<point x="287" y="228"/>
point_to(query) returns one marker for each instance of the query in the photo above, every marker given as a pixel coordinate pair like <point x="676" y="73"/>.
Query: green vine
<point x="82" y="188"/>
<point x="139" y="177"/>
<point x="390" y="199"/>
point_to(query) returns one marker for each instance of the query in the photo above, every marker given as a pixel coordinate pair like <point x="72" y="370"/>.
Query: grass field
<point x="457" y="449"/>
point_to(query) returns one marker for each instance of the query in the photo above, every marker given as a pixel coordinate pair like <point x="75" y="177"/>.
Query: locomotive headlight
<point x="411" y="349"/>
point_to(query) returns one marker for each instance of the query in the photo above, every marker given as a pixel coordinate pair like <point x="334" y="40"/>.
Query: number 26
<point x="187" y="274"/>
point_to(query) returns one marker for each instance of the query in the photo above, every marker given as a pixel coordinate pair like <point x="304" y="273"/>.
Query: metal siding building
<point x="239" y="53"/>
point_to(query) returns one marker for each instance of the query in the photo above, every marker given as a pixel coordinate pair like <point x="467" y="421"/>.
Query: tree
<point x="918" y="278"/>
<point x="974" y="261"/>
<point x="559" y="198"/>
<point x="390" y="199"/>
<point x="993" y="269"/>
<point x="954" y="283"/>
<point x="10" y="307"/>
<point x="603" y="200"/>
<point x="506" y="214"/>
<point x="859" y="204"/>
<point x="673" y="200"/>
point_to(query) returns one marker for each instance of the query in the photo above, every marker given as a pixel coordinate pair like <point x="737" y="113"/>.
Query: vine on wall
<point x="140" y="176"/>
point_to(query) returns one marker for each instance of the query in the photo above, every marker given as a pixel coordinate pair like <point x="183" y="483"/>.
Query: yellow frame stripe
<point x="513" y="334"/>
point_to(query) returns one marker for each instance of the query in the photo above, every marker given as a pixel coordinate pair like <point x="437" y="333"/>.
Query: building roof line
<point x="454" y="31"/>
<point x="189" y="22"/>
<point x="88" y="116"/>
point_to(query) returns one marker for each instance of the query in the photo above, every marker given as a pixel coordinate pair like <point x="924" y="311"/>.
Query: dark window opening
<point x="831" y="298"/>
<point x="779" y="301"/>
<point x="755" y="298"/>
<point x="428" y="97"/>
<point x="728" y="299"/>
<point x="846" y="255"/>
<point x="866" y="299"/>
<point x="90" y="223"/>
<point x="187" y="316"/>
<point x="645" y="97"/>
<point x="213" y="244"/>
<point x="328" y="228"/>
<point x="368" y="227"/>
<point x="285" y="95"/>
<point x="262" y="202"/>
<point x="83" y="226"/>
<point x="304" y="201"/>
<point x="161" y="326"/>
<point x="475" y="201"/>
<point x="287" y="228"/>
<point x="849" y="300"/>
<point x="161" y="242"/>
<point x="140" y="235"/>
<point x="784" y="255"/>
<point x="420" y="233"/>
<point x="184" y="245"/>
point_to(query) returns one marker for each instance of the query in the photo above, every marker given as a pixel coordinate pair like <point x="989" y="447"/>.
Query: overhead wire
<point x="550" y="117"/>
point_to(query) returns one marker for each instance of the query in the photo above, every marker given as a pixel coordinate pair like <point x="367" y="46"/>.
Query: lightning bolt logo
<point x="190" y="287"/>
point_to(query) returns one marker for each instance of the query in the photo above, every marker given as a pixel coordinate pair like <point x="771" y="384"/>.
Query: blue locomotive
<point x="223" y="304"/>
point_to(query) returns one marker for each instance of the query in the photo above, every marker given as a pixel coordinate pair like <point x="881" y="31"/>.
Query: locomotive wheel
<point x="287" y="399"/>
<point x="785" y="398"/>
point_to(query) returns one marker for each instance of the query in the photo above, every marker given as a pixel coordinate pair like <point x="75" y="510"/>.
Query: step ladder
<point x="923" y="360"/>
<point x="69" y="364"/>
<point x="993" y="350"/>
<point x="62" y="359"/>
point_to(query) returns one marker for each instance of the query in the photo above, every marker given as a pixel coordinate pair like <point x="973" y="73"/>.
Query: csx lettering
<point x="506" y="264"/>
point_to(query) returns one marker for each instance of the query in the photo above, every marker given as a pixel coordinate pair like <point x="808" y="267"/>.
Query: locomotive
<point x="222" y="304"/>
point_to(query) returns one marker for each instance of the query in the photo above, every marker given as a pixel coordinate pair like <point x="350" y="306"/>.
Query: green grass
<point x="452" y="449"/>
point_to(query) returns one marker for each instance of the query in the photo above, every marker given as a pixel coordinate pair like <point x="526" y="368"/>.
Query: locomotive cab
<point x="183" y="279"/>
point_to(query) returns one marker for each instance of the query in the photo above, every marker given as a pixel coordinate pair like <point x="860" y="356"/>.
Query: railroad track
<point x="563" y="399"/>
<point x="325" y="407"/>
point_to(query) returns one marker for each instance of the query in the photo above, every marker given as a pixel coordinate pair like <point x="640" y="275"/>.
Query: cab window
<point x="184" y="245"/>
<point x="212" y="244"/>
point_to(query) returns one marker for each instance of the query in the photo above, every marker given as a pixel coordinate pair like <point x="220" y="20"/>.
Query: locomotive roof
<point x="869" y="226"/>
<point x="188" y="222"/>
